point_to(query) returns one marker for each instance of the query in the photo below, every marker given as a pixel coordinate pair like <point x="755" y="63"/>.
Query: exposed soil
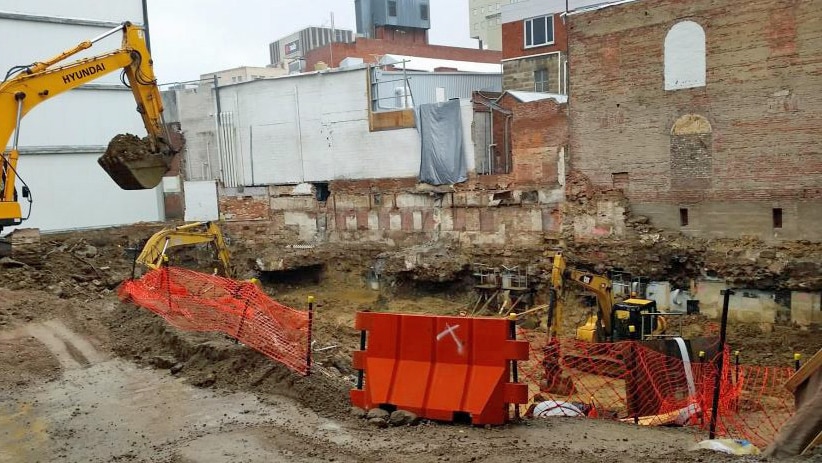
<point x="86" y="378"/>
<point x="127" y="147"/>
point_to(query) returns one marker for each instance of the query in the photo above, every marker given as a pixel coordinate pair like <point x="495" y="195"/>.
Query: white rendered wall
<point x="70" y="189"/>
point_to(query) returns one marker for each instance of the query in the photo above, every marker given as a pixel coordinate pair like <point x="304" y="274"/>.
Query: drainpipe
<point x="509" y="155"/>
<point x="145" y="24"/>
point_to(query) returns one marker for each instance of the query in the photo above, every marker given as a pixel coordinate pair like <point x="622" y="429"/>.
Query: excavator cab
<point x="635" y="319"/>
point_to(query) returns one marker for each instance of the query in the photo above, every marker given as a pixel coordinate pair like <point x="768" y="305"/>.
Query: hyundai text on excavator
<point x="24" y="87"/>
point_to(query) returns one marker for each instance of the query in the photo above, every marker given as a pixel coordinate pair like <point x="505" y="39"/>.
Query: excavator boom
<point x="132" y="166"/>
<point x="154" y="252"/>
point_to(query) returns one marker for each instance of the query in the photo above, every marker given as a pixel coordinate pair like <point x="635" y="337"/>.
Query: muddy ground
<point x="84" y="377"/>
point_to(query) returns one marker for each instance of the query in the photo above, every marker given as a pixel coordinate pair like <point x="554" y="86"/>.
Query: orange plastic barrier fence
<point x="195" y="301"/>
<point x="650" y="384"/>
<point x="440" y="368"/>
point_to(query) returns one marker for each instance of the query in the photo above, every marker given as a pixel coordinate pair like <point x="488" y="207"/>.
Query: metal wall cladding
<point x="423" y="86"/>
<point x="409" y="13"/>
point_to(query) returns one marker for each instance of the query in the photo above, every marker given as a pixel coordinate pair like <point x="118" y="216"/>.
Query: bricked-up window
<point x="777" y="217"/>
<point x="392" y="8"/>
<point x="539" y="31"/>
<point x="685" y="56"/>
<point x="424" y="12"/>
<point x="691" y="153"/>
<point x="541" y="80"/>
<point x="621" y="180"/>
<point x="683" y="217"/>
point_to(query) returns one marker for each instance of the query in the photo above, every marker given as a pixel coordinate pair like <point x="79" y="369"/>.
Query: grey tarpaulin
<point x="443" y="155"/>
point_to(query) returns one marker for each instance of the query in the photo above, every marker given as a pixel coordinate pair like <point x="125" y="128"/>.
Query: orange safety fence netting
<point x="195" y="301"/>
<point x="632" y="382"/>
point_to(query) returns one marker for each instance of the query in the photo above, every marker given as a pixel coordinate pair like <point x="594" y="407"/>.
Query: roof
<point x="527" y="97"/>
<point x="525" y="9"/>
<point x="599" y="6"/>
<point x="417" y="63"/>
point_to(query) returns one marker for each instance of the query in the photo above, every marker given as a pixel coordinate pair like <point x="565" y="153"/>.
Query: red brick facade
<point x="759" y="151"/>
<point x="513" y="40"/>
<point x="370" y="50"/>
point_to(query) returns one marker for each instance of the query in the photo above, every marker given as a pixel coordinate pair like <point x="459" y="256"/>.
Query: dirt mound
<point x="24" y="361"/>
<point x="212" y="359"/>
<point x="127" y="147"/>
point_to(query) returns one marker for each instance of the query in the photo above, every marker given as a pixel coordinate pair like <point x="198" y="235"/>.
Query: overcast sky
<point x="193" y="37"/>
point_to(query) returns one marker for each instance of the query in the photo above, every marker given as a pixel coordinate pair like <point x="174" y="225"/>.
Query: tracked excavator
<point x="154" y="254"/>
<point x="634" y="318"/>
<point x="618" y="317"/>
<point x="134" y="164"/>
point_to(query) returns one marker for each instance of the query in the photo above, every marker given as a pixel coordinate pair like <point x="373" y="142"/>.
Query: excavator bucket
<point x="130" y="162"/>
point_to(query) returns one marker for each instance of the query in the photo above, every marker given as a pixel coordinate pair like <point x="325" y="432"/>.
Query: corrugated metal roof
<point x="527" y="97"/>
<point x="416" y="63"/>
<point x="423" y="86"/>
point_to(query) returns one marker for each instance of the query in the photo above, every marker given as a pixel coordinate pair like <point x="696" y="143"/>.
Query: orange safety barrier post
<point x="440" y="368"/>
<point x="196" y="301"/>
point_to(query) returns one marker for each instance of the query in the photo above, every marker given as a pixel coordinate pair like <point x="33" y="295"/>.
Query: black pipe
<point x="512" y="334"/>
<point x="310" y="327"/>
<point x="723" y="329"/>
<point x="145" y="25"/>
<point x="361" y="373"/>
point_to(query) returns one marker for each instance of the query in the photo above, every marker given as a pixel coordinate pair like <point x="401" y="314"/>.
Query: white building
<point x="312" y="127"/>
<point x="243" y="74"/>
<point x="486" y="23"/>
<point x="287" y="52"/>
<point x="61" y="139"/>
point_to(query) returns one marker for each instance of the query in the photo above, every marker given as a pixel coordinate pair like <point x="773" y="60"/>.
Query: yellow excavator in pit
<point x="154" y="253"/>
<point x="132" y="163"/>
<point x="633" y="318"/>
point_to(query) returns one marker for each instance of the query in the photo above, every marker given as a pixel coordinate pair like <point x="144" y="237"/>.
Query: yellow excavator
<point x="135" y="165"/>
<point x="154" y="253"/>
<point x="634" y="318"/>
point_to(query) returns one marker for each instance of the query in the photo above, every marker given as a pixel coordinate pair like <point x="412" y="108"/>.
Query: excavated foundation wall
<point x="397" y="213"/>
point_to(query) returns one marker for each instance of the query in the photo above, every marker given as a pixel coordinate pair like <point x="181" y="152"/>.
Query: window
<point x="777" y="217"/>
<point x="539" y="31"/>
<point x="541" y="80"/>
<point x="683" y="217"/>
<point x="685" y="56"/>
<point x="392" y="8"/>
<point x="424" y="12"/>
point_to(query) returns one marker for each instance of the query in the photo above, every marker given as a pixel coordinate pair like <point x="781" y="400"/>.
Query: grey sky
<point x="193" y="37"/>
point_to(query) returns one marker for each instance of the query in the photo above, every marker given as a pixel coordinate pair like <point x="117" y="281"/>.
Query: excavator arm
<point x="597" y="285"/>
<point x="36" y="83"/>
<point x="153" y="255"/>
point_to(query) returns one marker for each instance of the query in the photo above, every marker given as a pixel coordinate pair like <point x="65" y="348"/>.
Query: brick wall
<point x="401" y="34"/>
<point x="370" y="50"/>
<point x="513" y="40"/>
<point x="759" y="150"/>
<point x="393" y="211"/>
<point x="538" y="133"/>
<point x="173" y="202"/>
<point x="519" y="62"/>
